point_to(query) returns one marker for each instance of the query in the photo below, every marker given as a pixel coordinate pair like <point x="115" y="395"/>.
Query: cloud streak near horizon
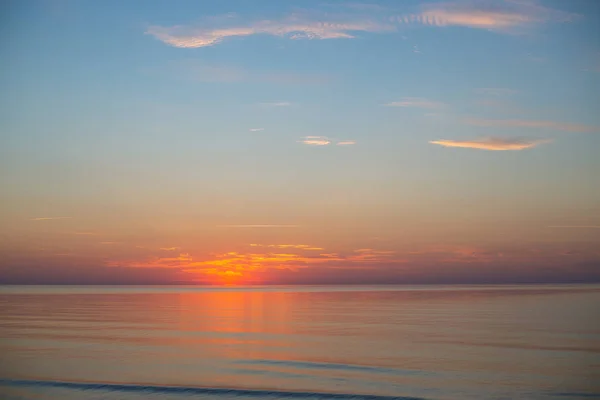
<point x="325" y="141"/>
<point x="574" y="226"/>
<point x="257" y="226"/>
<point x="491" y="143"/>
<point x="48" y="218"/>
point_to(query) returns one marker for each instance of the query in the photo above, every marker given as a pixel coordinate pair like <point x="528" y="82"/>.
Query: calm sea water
<point x="518" y="342"/>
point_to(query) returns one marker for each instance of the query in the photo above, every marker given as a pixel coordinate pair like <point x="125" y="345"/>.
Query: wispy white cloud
<point x="257" y="226"/>
<point x="417" y="102"/>
<point x="48" y="218"/>
<point x="519" y="123"/>
<point x="257" y="129"/>
<point x="297" y="26"/>
<point x="492" y="143"/>
<point x="324" y="141"/>
<point x="315" y="140"/>
<point x="170" y="248"/>
<point x="507" y="16"/>
<point x="497" y="15"/>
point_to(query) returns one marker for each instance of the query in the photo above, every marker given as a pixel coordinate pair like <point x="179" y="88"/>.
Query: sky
<point x="299" y="142"/>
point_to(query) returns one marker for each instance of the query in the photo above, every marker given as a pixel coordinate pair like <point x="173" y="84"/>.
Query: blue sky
<point x="449" y="123"/>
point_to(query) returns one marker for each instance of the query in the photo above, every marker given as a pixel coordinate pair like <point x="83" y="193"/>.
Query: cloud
<point x="257" y="226"/>
<point x="491" y="143"/>
<point x="371" y="255"/>
<point x="315" y="140"/>
<point x="288" y="246"/>
<point x="417" y="102"/>
<point x="506" y="16"/>
<point x="496" y="92"/>
<point x="214" y="30"/>
<point x="181" y="260"/>
<point x="324" y="141"/>
<point x="48" y="218"/>
<point x="518" y="123"/>
<point x="575" y="227"/>
<point x="257" y="129"/>
<point x="170" y="248"/>
<point x="263" y="258"/>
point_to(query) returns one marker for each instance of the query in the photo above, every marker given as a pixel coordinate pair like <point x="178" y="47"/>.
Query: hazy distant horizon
<point x="337" y="283"/>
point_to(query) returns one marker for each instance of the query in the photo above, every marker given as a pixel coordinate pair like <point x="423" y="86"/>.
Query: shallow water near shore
<point x="361" y="342"/>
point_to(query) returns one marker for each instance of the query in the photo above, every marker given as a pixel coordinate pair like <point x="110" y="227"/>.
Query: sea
<point x="300" y="342"/>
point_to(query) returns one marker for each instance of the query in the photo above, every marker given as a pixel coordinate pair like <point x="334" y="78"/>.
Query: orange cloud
<point x="246" y="267"/>
<point x="48" y="218"/>
<point x="315" y="140"/>
<point x="288" y="246"/>
<point x="324" y="141"/>
<point x="454" y="253"/>
<point x="491" y="143"/>
<point x="371" y="255"/>
<point x="181" y="260"/>
<point x="257" y="226"/>
<point x="575" y="226"/>
<point x="499" y="15"/>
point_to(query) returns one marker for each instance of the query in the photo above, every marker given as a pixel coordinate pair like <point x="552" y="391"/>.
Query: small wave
<point x="273" y="394"/>
<point x="327" y="365"/>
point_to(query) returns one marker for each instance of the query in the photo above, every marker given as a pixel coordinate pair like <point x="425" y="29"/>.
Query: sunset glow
<point x="311" y="142"/>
